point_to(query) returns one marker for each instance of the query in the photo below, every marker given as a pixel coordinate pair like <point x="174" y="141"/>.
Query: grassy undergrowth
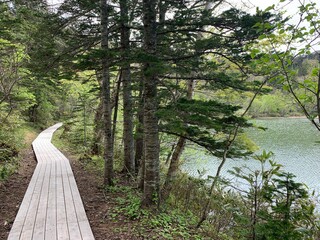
<point x="162" y="223"/>
<point x="13" y="140"/>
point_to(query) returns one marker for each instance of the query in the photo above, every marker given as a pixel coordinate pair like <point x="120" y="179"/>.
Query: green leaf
<point x="315" y="72"/>
<point x="285" y="87"/>
<point x="269" y="8"/>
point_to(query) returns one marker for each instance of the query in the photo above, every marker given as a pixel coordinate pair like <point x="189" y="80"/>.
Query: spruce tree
<point x="150" y="120"/>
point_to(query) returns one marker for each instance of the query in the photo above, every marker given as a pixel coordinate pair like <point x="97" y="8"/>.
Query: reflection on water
<point x="294" y="141"/>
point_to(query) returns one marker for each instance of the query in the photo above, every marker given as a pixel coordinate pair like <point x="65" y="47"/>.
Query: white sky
<point x="290" y="6"/>
<point x="249" y="5"/>
<point x="54" y="2"/>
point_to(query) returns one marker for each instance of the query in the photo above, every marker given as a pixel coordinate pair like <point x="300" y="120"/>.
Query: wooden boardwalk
<point x="52" y="207"/>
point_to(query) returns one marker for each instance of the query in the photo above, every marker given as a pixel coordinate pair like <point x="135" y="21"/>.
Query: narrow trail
<point x="52" y="207"/>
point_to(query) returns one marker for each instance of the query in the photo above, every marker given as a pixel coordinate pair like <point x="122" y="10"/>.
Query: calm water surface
<point x="294" y="141"/>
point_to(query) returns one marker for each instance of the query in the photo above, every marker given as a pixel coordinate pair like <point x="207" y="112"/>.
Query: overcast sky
<point x="291" y="8"/>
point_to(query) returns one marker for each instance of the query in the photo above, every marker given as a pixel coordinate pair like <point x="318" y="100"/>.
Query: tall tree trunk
<point x="129" y="162"/>
<point x="151" y="132"/>
<point x="97" y="142"/>
<point x="139" y="149"/>
<point x="97" y="138"/>
<point x="108" y="152"/>
<point x="318" y="92"/>
<point x="115" y="105"/>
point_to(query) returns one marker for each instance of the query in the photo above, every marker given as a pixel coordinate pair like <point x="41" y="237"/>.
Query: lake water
<point x="294" y="141"/>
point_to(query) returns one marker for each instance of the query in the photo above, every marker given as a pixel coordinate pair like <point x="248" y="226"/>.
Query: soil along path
<point x="52" y="207"/>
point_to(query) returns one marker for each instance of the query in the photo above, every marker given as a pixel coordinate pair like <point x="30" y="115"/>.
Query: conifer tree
<point x="129" y="162"/>
<point x="106" y="102"/>
<point x="150" y="120"/>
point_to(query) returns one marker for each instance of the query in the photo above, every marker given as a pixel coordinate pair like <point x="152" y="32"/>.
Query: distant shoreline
<point x="291" y="117"/>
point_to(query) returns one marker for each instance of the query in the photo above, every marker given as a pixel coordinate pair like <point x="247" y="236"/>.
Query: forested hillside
<point x="137" y="82"/>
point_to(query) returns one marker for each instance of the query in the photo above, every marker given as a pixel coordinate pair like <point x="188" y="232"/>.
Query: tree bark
<point x="115" y="107"/>
<point x="318" y="93"/>
<point x="98" y="125"/>
<point x="106" y="99"/>
<point x="97" y="138"/>
<point x="129" y="163"/>
<point x="139" y="148"/>
<point x="151" y="133"/>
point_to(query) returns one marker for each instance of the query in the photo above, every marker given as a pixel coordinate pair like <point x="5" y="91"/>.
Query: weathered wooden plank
<point x="30" y="218"/>
<point x="62" y="232"/>
<point x="80" y="211"/>
<point x="14" y="235"/>
<point x="74" y="230"/>
<point x="71" y="215"/>
<point x="26" y="234"/>
<point x="40" y="224"/>
<point x="16" y="229"/>
<point x="51" y="221"/>
<point x="27" y="229"/>
<point x="86" y="231"/>
<point x="61" y="208"/>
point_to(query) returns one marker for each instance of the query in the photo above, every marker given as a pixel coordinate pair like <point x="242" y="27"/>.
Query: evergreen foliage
<point x="206" y="123"/>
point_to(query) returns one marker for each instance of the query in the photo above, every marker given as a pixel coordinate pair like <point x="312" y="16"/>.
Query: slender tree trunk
<point x="151" y="132"/>
<point x="84" y="123"/>
<point x="106" y="100"/>
<point x="116" y="107"/>
<point x="173" y="167"/>
<point x="129" y="162"/>
<point x="98" y="125"/>
<point x="318" y="92"/>
<point x="97" y="139"/>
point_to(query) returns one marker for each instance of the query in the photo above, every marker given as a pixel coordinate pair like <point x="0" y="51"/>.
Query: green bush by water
<point x="276" y="104"/>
